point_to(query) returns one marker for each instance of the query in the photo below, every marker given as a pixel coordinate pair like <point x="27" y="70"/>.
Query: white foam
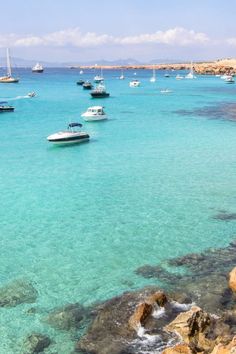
<point x="159" y="312"/>
<point x="182" y="307"/>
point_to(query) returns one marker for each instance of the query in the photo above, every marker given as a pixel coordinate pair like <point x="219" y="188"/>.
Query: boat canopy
<point x="3" y="102"/>
<point x="71" y="125"/>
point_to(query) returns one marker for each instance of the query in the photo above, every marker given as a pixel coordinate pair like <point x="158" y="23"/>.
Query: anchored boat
<point x="70" y="136"/>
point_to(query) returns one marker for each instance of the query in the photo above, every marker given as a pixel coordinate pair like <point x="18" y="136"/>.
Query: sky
<point x="145" y="30"/>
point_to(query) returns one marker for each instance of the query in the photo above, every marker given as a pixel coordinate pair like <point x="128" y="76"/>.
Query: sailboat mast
<point x="8" y="63"/>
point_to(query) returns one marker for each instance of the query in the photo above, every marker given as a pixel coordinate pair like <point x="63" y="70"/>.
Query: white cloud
<point x="74" y="37"/>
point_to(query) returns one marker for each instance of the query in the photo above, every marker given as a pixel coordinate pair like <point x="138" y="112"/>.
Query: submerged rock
<point x="67" y="317"/>
<point x="225" y="216"/>
<point x="17" y="292"/>
<point x="232" y="279"/>
<point x="35" y="343"/>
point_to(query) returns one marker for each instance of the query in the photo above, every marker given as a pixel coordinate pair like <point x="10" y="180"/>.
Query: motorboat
<point x="179" y="77"/>
<point x="31" y="94"/>
<point x="38" y="68"/>
<point x="229" y="79"/>
<point x="153" y="78"/>
<point x="134" y="83"/>
<point x="167" y="74"/>
<point x="87" y="85"/>
<point x="190" y="75"/>
<point x="94" y="113"/>
<point x="99" y="92"/>
<point x="80" y="82"/>
<point x="71" y="136"/>
<point x="4" y="107"/>
<point x="81" y="72"/>
<point x="8" y="79"/>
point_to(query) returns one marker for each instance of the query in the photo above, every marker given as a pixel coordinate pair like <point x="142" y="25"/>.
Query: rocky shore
<point x="217" y="67"/>
<point x="193" y="312"/>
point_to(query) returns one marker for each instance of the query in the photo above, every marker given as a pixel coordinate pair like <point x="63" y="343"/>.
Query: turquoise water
<point x="78" y="220"/>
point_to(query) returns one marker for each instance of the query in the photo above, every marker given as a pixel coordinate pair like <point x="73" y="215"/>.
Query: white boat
<point x="179" y="77"/>
<point x="8" y="79"/>
<point x="31" y="94"/>
<point x="122" y="77"/>
<point x="190" y="75"/>
<point x="70" y="136"/>
<point x="38" y="68"/>
<point x="81" y="72"/>
<point x="99" y="78"/>
<point x="167" y="74"/>
<point x="94" y="113"/>
<point x="229" y="80"/>
<point x="134" y="83"/>
<point x="153" y="78"/>
<point x="166" y="91"/>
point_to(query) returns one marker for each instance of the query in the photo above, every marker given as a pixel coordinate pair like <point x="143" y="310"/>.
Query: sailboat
<point x="8" y="78"/>
<point x="153" y="78"/>
<point x="98" y="78"/>
<point x="190" y="75"/>
<point x="122" y="76"/>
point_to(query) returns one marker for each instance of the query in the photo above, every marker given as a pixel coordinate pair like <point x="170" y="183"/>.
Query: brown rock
<point x="232" y="279"/>
<point x="225" y="349"/>
<point x="178" y="349"/>
<point x="140" y="315"/>
<point x="158" y="298"/>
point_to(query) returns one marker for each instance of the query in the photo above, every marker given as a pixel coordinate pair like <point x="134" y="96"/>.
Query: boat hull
<point x="38" y="71"/>
<point x="6" y="109"/>
<point x="68" y="138"/>
<point x="94" y="118"/>
<point x="10" y="80"/>
<point x="99" y="95"/>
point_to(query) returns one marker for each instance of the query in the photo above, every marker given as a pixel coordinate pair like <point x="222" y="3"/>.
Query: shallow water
<point x="78" y="220"/>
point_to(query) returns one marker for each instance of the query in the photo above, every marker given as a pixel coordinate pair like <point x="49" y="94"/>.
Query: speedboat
<point x="94" y="113"/>
<point x="99" y="92"/>
<point x="4" y="107"/>
<point x="31" y="94"/>
<point x="87" y="85"/>
<point x="70" y="136"/>
<point x="38" y="68"/>
<point x="80" y="82"/>
<point x="134" y="83"/>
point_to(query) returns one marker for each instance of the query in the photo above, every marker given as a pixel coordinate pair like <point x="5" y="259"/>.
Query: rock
<point x="140" y="315"/>
<point x="112" y="330"/>
<point x="158" y="298"/>
<point x="232" y="280"/>
<point x="35" y="343"/>
<point x="17" y="292"/>
<point x="225" y="216"/>
<point x="67" y="317"/>
<point x="178" y="349"/>
<point x="225" y="349"/>
<point x="193" y="327"/>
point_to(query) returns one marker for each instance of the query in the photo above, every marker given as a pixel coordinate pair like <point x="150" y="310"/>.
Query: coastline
<point x="204" y="68"/>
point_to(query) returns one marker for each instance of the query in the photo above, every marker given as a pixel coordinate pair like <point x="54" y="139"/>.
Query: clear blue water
<point x="78" y="220"/>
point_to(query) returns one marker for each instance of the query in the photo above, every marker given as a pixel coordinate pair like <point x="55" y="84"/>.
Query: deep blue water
<point x="77" y="221"/>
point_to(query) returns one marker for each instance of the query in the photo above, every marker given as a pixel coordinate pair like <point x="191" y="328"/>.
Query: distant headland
<point x="220" y="66"/>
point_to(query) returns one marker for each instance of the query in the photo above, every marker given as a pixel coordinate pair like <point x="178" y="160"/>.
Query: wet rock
<point x="159" y="298"/>
<point x="225" y="216"/>
<point x="140" y="315"/>
<point x="229" y="348"/>
<point x="35" y="343"/>
<point x="67" y="317"/>
<point x="232" y="279"/>
<point x="178" y="349"/>
<point x="148" y="271"/>
<point x="110" y="332"/>
<point x="17" y="292"/>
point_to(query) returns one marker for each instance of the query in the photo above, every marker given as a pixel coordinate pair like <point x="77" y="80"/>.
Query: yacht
<point x="94" y="113"/>
<point x="99" y="92"/>
<point x="38" y="68"/>
<point x="4" y="107"/>
<point x="70" y="136"/>
<point x="8" y="79"/>
<point x="87" y="85"/>
<point x="134" y="83"/>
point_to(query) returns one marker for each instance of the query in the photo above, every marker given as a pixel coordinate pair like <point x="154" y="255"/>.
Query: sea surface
<point x="77" y="221"/>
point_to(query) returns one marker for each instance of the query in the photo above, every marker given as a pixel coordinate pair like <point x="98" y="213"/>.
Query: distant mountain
<point x="25" y="63"/>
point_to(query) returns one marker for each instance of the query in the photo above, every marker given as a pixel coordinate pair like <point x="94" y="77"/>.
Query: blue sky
<point x="75" y="30"/>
